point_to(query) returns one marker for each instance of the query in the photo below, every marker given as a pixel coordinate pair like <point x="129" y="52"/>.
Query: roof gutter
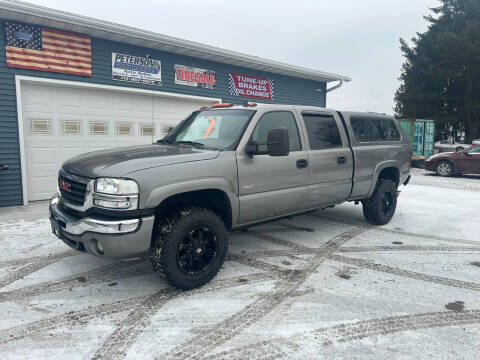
<point x="335" y="87"/>
<point x="100" y="28"/>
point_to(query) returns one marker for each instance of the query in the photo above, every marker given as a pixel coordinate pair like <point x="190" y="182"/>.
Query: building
<point x="71" y="84"/>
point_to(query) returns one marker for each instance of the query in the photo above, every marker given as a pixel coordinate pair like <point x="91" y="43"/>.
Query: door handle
<point x="302" y="163"/>
<point x="3" y="167"/>
<point x="341" y="160"/>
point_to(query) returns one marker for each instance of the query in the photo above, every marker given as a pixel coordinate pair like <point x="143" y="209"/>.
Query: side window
<point x="277" y="119"/>
<point x="322" y="131"/>
<point x="374" y="129"/>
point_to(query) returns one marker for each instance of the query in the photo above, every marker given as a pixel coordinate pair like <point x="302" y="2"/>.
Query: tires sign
<point x="251" y="86"/>
<point x="136" y="69"/>
<point x="192" y="76"/>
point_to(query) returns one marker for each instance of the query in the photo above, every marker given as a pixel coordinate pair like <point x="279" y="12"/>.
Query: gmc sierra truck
<point x="226" y="167"/>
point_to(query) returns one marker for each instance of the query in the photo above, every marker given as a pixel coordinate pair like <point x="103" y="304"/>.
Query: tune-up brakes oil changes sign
<point x="251" y="86"/>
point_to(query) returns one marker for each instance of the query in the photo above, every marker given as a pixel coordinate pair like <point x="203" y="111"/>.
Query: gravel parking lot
<point x="324" y="284"/>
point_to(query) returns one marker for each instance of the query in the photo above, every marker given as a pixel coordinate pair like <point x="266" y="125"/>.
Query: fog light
<point x="100" y="247"/>
<point x="54" y="201"/>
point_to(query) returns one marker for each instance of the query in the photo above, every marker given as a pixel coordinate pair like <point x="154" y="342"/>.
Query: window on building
<point x="147" y="129"/>
<point x="273" y="120"/>
<point x="70" y="127"/>
<point x="98" y="128"/>
<point x="38" y="126"/>
<point x="374" y="128"/>
<point x="124" y="128"/>
<point x="322" y="131"/>
<point x="167" y="128"/>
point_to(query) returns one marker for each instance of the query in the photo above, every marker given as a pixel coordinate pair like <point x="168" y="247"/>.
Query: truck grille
<point x="72" y="188"/>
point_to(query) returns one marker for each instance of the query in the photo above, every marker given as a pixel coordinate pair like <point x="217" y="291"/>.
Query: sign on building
<point x="192" y="76"/>
<point x="251" y="86"/>
<point x="136" y="69"/>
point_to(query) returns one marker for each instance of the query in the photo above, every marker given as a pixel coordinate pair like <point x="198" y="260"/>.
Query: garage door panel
<point x="42" y="187"/>
<point x="143" y="104"/>
<point x="124" y="102"/>
<point x="42" y="155"/>
<point x="36" y="95"/>
<point x="98" y="100"/>
<point x="66" y="98"/>
<point x="71" y="111"/>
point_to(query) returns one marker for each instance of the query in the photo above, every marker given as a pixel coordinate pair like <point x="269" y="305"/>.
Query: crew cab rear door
<point x="329" y="156"/>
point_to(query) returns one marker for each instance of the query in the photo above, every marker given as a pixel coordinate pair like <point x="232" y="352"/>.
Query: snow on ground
<point x="409" y="289"/>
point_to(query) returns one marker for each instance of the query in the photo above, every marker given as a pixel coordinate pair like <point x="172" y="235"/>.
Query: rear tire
<point x="189" y="247"/>
<point x="380" y="208"/>
<point x="445" y="168"/>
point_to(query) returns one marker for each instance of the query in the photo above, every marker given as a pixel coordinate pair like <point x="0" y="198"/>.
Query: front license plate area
<point x="56" y="229"/>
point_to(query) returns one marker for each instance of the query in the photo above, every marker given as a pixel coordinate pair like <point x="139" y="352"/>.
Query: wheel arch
<point x="213" y="195"/>
<point x="389" y="170"/>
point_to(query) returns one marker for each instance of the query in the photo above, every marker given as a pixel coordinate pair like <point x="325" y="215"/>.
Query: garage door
<point x="61" y="122"/>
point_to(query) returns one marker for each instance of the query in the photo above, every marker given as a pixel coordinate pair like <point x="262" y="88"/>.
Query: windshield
<point x="218" y="129"/>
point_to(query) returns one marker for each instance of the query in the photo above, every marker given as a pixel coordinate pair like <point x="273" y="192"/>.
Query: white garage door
<point x="61" y="122"/>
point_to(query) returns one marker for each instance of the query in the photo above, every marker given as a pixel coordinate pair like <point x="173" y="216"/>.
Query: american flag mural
<point x="39" y="48"/>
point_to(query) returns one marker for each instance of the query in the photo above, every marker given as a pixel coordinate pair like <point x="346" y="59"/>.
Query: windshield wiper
<point x="163" y="141"/>
<point x="192" y="143"/>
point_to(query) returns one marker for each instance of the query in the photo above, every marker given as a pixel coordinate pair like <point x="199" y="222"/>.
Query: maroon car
<point x="451" y="163"/>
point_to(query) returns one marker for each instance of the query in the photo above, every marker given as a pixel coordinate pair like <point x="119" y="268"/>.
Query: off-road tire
<point x="373" y="209"/>
<point x="171" y="231"/>
<point x="451" y="172"/>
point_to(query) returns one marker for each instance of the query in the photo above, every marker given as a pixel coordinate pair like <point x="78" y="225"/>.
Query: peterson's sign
<point x="251" y="86"/>
<point x="191" y="76"/>
<point x="136" y="69"/>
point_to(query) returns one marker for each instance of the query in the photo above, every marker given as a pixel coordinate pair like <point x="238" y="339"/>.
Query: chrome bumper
<point x="119" y="239"/>
<point x="84" y="225"/>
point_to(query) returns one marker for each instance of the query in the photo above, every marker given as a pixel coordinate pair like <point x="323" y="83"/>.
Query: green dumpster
<point x="420" y="134"/>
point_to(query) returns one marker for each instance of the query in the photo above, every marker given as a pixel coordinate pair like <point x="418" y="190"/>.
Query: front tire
<point x="189" y="247"/>
<point x="445" y="168"/>
<point x="380" y="208"/>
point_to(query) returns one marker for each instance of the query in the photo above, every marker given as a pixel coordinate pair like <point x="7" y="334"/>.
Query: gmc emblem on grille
<point x="65" y="186"/>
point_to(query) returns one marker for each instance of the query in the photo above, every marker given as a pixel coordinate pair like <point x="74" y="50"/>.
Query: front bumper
<point x="114" y="239"/>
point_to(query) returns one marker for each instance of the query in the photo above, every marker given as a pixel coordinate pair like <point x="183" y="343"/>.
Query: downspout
<point x="336" y="86"/>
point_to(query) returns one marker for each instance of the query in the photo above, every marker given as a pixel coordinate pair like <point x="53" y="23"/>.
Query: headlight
<point x="117" y="194"/>
<point x="116" y="186"/>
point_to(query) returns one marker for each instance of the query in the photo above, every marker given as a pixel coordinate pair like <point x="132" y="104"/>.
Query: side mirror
<point x="277" y="142"/>
<point x="251" y="148"/>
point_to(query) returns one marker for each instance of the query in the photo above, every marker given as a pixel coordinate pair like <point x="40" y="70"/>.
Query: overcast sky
<point x="356" y="38"/>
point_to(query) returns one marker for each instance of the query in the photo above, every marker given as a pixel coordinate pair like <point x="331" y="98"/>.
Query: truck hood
<point x="119" y="162"/>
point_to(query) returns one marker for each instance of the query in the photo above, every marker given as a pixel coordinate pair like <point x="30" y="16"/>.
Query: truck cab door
<point x="330" y="156"/>
<point x="271" y="186"/>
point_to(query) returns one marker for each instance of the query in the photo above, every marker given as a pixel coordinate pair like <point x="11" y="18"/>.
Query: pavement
<point x="321" y="285"/>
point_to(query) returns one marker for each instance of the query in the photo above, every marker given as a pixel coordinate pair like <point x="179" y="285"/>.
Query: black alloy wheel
<point x="189" y="247"/>
<point x="197" y="250"/>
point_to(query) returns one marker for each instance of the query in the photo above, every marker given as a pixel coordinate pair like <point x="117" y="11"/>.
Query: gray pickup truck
<point x="226" y="167"/>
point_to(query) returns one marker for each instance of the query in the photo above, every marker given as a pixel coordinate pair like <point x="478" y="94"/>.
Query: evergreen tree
<point x="441" y="75"/>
